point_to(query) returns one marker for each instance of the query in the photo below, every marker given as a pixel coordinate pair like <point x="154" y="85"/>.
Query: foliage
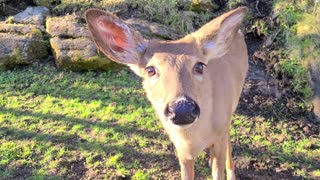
<point x="300" y="33"/>
<point x="166" y="12"/>
<point x="47" y="3"/>
<point x="234" y="3"/>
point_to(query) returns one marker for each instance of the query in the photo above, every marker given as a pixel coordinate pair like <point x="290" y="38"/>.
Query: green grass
<point x="51" y="119"/>
<point x="57" y="124"/>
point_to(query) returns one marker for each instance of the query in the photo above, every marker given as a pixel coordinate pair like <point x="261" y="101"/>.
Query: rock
<point x="79" y="54"/>
<point x="66" y="26"/>
<point x="20" y="44"/>
<point x="32" y="15"/>
<point x="17" y="28"/>
<point x="72" y="46"/>
<point x="152" y="30"/>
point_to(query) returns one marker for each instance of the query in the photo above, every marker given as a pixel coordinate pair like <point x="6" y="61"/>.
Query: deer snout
<point x="182" y="111"/>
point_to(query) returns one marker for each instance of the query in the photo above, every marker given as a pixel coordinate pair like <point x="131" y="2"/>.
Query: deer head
<point x="174" y="73"/>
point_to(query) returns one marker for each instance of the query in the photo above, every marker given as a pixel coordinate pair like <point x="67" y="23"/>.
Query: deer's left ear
<point x="216" y="37"/>
<point x="117" y="40"/>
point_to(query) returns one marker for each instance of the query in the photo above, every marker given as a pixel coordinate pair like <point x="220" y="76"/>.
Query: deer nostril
<point x="195" y="111"/>
<point x="169" y="112"/>
<point x="170" y="109"/>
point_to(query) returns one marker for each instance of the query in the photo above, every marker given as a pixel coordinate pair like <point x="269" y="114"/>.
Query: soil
<point x="261" y="90"/>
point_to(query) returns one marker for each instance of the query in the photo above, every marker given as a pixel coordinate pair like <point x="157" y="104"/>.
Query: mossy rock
<point x="78" y="63"/>
<point x="13" y="60"/>
<point x="66" y="26"/>
<point x="153" y="30"/>
<point x="37" y="50"/>
<point x="21" y="48"/>
<point x="32" y="15"/>
<point x="79" y="54"/>
<point x="20" y="29"/>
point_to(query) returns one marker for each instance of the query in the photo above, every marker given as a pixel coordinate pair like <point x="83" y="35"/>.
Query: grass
<point x="50" y="119"/>
<point x="57" y="124"/>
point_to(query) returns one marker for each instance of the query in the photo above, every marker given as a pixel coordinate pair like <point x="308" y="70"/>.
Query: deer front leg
<point x="187" y="169"/>
<point x="218" y="159"/>
<point x="229" y="163"/>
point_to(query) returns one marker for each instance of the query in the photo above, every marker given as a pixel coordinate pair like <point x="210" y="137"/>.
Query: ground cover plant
<point x="99" y="125"/>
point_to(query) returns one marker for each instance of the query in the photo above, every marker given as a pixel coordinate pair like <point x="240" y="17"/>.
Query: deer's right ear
<point x="216" y="37"/>
<point x="115" y="38"/>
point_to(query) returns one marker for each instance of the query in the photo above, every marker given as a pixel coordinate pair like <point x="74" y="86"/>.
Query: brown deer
<point x="194" y="83"/>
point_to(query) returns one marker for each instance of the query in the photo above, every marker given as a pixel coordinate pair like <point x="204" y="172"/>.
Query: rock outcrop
<point x="22" y="41"/>
<point x="20" y="44"/>
<point x="152" y="30"/>
<point x="32" y="15"/>
<point x="72" y="46"/>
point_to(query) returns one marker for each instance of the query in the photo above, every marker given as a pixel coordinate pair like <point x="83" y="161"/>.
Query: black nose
<point x="183" y="111"/>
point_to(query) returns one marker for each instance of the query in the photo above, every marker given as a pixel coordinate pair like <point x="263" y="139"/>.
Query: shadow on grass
<point x="38" y="136"/>
<point x="73" y="141"/>
<point x="71" y="121"/>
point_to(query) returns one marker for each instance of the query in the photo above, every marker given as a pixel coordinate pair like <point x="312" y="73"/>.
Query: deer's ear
<point x="114" y="38"/>
<point x="216" y="37"/>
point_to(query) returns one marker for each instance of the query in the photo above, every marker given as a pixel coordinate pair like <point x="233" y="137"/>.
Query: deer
<point x="194" y="83"/>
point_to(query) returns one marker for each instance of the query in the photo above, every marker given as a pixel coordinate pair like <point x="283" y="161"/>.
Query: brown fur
<point x="217" y="44"/>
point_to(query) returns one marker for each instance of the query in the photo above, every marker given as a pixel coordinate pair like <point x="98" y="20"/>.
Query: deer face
<point x="173" y="79"/>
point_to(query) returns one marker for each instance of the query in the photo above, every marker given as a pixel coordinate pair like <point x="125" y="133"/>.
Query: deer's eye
<point x="151" y="71"/>
<point x="198" y="67"/>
